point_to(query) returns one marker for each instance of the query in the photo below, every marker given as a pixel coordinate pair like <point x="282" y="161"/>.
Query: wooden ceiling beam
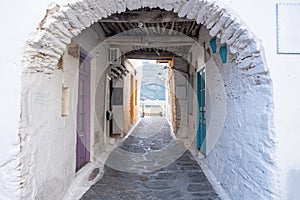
<point x="145" y="17"/>
<point x="150" y="55"/>
<point x="151" y="41"/>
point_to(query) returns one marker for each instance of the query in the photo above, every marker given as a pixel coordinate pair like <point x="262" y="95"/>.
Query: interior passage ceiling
<point x="150" y="30"/>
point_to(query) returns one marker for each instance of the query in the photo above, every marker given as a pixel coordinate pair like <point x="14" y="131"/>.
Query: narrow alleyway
<point x="150" y="164"/>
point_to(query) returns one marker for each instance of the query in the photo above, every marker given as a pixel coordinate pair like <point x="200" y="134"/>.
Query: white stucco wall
<point x="242" y="158"/>
<point x="50" y="157"/>
<point x="216" y="100"/>
<point x="181" y="104"/>
<point x="240" y="143"/>
<point x="260" y="16"/>
<point x="99" y="98"/>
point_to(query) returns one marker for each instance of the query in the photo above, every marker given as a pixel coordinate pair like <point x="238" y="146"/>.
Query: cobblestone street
<point x="150" y="164"/>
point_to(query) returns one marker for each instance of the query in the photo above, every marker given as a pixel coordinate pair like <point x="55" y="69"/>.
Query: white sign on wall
<point x="288" y="28"/>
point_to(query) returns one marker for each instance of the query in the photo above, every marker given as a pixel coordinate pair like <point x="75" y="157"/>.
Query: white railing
<point x="153" y="108"/>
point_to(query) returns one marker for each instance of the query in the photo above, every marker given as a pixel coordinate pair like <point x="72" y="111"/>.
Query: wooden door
<point x="132" y="95"/>
<point x="83" y="112"/>
<point x="201" y="121"/>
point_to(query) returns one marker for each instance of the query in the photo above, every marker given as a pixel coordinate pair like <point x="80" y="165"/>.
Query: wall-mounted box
<point x="65" y="101"/>
<point x="288" y="28"/>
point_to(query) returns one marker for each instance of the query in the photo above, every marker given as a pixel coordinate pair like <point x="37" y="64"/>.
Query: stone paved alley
<point x="150" y="164"/>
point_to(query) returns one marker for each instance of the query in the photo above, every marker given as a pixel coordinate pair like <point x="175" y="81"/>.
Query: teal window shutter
<point x="223" y="53"/>
<point x="213" y="45"/>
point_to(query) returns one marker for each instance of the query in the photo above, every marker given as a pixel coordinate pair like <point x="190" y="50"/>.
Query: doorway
<point x="83" y="112"/>
<point x="132" y="99"/>
<point x="201" y="121"/>
<point x="108" y="109"/>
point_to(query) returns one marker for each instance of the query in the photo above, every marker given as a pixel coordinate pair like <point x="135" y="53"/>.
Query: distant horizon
<point x="153" y="81"/>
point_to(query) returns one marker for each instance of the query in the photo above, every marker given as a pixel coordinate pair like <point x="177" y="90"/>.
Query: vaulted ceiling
<point x="150" y="33"/>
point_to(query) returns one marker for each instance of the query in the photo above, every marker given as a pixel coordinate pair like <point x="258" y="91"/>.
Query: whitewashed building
<point x="242" y="62"/>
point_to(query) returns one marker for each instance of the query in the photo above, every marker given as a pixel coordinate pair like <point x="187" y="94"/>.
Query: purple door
<point x="83" y="112"/>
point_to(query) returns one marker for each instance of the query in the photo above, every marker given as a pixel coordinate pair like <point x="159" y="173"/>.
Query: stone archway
<point x="62" y="23"/>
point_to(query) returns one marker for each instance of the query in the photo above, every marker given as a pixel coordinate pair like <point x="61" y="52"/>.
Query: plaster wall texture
<point x="52" y="140"/>
<point x="99" y="97"/>
<point x="284" y="74"/>
<point x="285" y="81"/>
<point x="240" y="151"/>
<point x="243" y="157"/>
<point x="215" y="104"/>
<point x="240" y="139"/>
<point x="181" y="103"/>
<point x="52" y="177"/>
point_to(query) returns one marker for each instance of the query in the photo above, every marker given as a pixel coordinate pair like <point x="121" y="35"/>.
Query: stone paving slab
<point x="150" y="164"/>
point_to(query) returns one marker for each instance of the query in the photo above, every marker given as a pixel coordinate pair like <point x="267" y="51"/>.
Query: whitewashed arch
<point x="62" y="23"/>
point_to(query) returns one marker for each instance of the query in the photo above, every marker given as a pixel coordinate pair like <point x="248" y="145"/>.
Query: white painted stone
<point x="241" y="43"/>
<point x="102" y="9"/>
<point x="81" y="15"/>
<point x="120" y="5"/>
<point x="72" y="17"/>
<point x="63" y="25"/>
<point x="263" y="68"/>
<point x="110" y="6"/>
<point x="88" y="10"/>
<point x="178" y="5"/>
<point x="48" y="42"/>
<point x="97" y="10"/>
<point x="251" y="49"/>
<point x="249" y="62"/>
<point x="133" y="4"/>
<point x="202" y="13"/>
<point x="150" y="4"/>
<point x="167" y="5"/>
<point x="219" y="25"/>
<point x="93" y="10"/>
<point x="229" y="30"/>
<point x="213" y="17"/>
<point x="54" y="24"/>
<point x="61" y="37"/>
<point x="194" y="10"/>
<point x="185" y="9"/>
<point x="236" y="34"/>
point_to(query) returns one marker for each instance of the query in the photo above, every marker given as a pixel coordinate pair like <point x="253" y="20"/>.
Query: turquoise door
<point x="201" y="123"/>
